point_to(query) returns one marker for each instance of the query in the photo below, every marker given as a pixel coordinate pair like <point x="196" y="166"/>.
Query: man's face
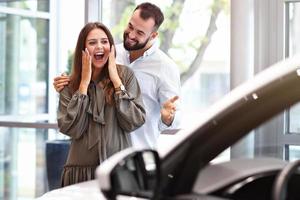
<point x="138" y="32"/>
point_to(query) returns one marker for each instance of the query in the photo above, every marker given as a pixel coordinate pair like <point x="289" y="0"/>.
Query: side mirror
<point x="130" y="173"/>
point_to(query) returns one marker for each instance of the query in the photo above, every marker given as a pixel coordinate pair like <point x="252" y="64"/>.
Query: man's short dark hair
<point x="149" y="10"/>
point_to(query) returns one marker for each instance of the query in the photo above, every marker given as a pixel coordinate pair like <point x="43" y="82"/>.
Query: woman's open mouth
<point x="99" y="55"/>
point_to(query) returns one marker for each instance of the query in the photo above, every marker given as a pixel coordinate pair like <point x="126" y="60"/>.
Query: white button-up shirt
<point x="159" y="80"/>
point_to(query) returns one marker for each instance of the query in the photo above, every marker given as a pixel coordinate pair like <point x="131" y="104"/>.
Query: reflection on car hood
<point x="84" y="190"/>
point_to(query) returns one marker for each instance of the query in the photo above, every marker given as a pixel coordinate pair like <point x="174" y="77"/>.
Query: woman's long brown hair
<point x="75" y="77"/>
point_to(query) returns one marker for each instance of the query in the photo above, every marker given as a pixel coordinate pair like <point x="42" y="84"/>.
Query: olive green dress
<point x="97" y="129"/>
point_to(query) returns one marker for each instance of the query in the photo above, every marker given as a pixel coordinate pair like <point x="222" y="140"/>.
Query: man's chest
<point x="149" y="85"/>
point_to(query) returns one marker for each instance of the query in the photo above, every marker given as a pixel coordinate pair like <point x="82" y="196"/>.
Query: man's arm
<point x="60" y="82"/>
<point x="168" y="94"/>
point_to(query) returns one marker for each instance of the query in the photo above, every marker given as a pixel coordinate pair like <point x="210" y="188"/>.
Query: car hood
<point x="85" y="190"/>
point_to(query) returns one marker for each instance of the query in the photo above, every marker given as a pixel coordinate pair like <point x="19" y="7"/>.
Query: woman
<point x="100" y="107"/>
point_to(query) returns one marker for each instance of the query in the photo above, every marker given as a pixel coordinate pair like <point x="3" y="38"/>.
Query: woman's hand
<point x="86" y="72"/>
<point x="112" y="68"/>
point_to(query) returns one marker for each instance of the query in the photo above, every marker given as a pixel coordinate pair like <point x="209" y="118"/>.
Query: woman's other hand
<point x="86" y="72"/>
<point x="112" y="68"/>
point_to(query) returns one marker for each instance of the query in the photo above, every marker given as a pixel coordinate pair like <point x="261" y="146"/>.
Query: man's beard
<point x="137" y="46"/>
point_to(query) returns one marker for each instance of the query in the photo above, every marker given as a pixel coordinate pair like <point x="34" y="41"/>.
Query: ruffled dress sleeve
<point x="129" y="104"/>
<point x="72" y="116"/>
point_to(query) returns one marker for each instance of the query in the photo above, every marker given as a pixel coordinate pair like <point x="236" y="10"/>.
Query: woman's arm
<point x="72" y="109"/>
<point x="129" y="104"/>
<point x="72" y="116"/>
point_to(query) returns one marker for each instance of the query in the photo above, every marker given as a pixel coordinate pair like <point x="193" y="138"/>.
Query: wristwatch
<point x="120" y="88"/>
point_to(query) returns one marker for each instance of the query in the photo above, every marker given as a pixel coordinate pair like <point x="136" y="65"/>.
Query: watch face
<point x="122" y="87"/>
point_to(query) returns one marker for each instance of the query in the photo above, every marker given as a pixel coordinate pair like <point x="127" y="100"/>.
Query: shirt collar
<point x="152" y="49"/>
<point x="149" y="51"/>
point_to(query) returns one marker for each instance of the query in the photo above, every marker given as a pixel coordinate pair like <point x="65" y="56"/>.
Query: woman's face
<point x="98" y="45"/>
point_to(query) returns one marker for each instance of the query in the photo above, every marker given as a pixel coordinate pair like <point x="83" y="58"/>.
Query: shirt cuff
<point x="174" y="125"/>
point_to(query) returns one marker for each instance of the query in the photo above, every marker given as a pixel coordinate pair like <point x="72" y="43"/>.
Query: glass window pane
<point x="24" y="68"/>
<point x="68" y="32"/>
<point x="293" y="152"/>
<point x="294" y="48"/>
<point x="22" y="163"/>
<point x="294" y="122"/>
<point x="294" y="29"/>
<point x="34" y="5"/>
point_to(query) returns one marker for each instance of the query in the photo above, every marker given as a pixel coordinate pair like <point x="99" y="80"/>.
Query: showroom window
<point x="37" y="39"/>
<point x="29" y="5"/>
<point x="292" y="47"/>
<point x="292" y="42"/>
<point x="277" y="37"/>
<point x="24" y="36"/>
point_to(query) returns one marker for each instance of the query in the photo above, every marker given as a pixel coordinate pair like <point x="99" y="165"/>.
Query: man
<point x="157" y="74"/>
